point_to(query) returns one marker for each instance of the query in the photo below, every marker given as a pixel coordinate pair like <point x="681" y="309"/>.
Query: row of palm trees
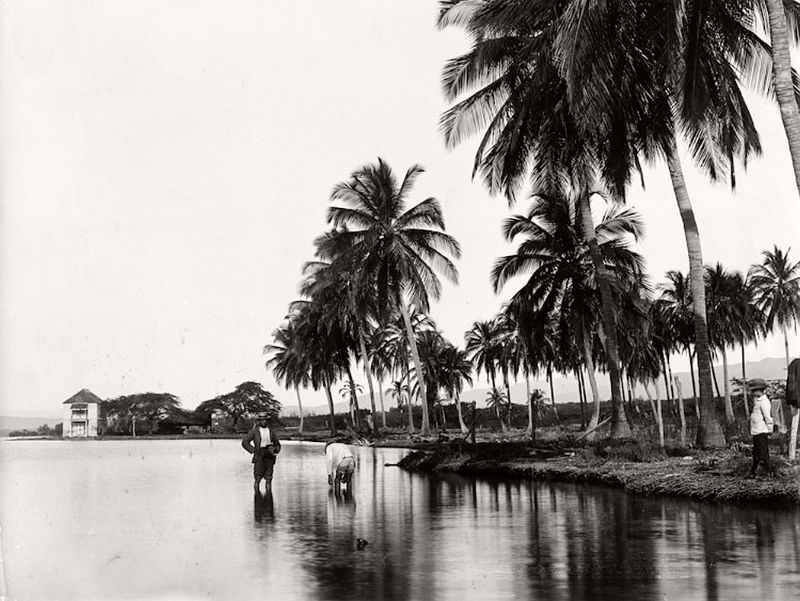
<point x="569" y="97"/>
<point x="361" y="296"/>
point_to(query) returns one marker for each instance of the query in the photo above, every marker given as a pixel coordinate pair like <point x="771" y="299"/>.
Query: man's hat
<point x="262" y="415"/>
<point x="757" y="384"/>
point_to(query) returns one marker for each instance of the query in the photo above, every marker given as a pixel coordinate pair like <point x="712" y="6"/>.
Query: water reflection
<point x="183" y="517"/>
<point x="263" y="507"/>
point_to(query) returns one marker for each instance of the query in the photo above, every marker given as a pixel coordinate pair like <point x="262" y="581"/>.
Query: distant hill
<point x="9" y="423"/>
<point x="566" y="389"/>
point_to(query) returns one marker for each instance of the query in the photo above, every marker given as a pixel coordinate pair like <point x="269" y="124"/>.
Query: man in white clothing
<point x="761" y="424"/>
<point x="341" y="463"/>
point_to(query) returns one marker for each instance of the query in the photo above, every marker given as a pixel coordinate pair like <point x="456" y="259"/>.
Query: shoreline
<point x="715" y="477"/>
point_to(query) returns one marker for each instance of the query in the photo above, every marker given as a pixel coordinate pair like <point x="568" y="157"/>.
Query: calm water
<point x="179" y="520"/>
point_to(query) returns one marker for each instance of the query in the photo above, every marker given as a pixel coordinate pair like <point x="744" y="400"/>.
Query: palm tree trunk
<point x="786" y="345"/>
<point x="709" y="432"/>
<point x="691" y="372"/>
<point x="368" y="373"/>
<point x="408" y="403"/>
<point x="782" y="78"/>
<point x="587" y="357"/>
<point x="619" y="424"/>
<point x="354" y="412"/>
<point x="726" y="385"/>
<point x="423" y="391"/>
<point x="584" y="399"/>
<point x="553" y="394"/>
<point x="669" y="369"/>
<point x="508" y="397"/>
<point x="461" y="423"/>
<point x="380" y="395"/>
<point x="299" y="407"/>
<point x="497" y="405"/>
<point x="327" y="387"/>
<point x="714" y="378"/>
<point x="744" y="385"/>
<point x="529" y="431"/>
<point x="682" y="411"/>
<point x="795" y="411"/>
<point x="660" y="414"/>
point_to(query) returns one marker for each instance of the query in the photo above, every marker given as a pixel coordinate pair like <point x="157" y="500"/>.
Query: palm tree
<point x="722" y="320"/>
<point x="456" y="369"/>
<point x="748" y="321"/>
<point x="778" y="12"/>
<point x="379" y="361"/>
<point x="562" y="282"/>
<point x="398" y="249"/>
<point x="324" y="347"/>
<point x="399" y="392"/>
<point x="287" y="361"/>
<point x="617" y="72"/>
<point x="776" y="283"/>
<point x="495" y="399"/>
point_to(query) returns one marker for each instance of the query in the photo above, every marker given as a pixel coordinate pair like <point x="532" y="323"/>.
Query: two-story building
<point x="83" y="415"/>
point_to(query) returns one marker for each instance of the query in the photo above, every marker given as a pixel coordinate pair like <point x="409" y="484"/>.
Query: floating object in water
<point x="361" y="543"/>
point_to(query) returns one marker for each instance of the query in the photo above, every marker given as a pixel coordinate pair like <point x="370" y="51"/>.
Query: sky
<point x="165" y="167"/>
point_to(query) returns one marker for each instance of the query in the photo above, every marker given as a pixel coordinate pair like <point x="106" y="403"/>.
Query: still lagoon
<point x="178" y="519"/>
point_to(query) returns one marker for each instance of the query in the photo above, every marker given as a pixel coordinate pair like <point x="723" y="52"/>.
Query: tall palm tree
<point x="399" y="250"/>
<point x="484" y="348"/>
<point x="617" y="69"/>
<point x="562" y="282"/>
<point x="288" y="362"/>
<point x="379" y="361"/>
<point x="782" y="16"/>
<point x="748" y="321"/>
<point x="399" y="392"/>
<point x="776" y="283"/>
<point x="456" y="369"/>
<point x="723" y="317"/>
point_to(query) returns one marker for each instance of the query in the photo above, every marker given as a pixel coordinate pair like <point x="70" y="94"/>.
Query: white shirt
<point x="334" y="454"/>
<point x="266" y="439"/>
<point x="761" y="416"/>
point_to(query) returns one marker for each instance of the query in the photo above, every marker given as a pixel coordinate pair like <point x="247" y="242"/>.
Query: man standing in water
<point x="341" y="464"/>
<point x="263" y="444"/>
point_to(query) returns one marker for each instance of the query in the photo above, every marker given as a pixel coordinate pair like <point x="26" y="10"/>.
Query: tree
<point x="151" y="407"/>
<point x="246" y="399"/>
<point x="287" y="361"/>
<point x="722" y="288"/>
<point x="398" y="250"/>
<point x="561" y="284"/>
<point x="776" y="283"/>
<point x="456" y="369"/>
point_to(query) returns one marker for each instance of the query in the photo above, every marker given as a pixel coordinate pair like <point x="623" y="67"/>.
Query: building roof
<point x="84" y="396"/>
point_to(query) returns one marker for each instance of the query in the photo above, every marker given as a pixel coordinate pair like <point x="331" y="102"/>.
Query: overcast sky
<point x="165" y="166"/>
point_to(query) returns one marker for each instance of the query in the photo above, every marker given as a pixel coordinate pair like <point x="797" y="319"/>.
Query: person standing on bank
<point x="341" y="464"/>
<point x="760" y="425"/>
<point x="263" y="444"/>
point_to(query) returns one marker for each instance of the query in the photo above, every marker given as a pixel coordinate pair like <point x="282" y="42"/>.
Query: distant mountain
<point x="9" y="423"/>
<point x="566" y="389"/>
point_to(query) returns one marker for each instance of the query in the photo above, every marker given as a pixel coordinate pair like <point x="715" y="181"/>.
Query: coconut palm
<point x="748" y="320"/>
<point x="379" y="361"/>
<point x="721" y="286"/>
<point x="288" y="362"/>
<point x="399" y="392"/>
<point x="776" y="283"/>
<point x="399" y="250"/>
<point x="562" y="282"/>
<point x="456" y="369"/>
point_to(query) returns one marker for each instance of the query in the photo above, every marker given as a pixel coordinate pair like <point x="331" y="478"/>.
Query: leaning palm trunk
<point x="552" y="393"/>
<point x="727" y="387"/>
<point x="368" y="373"/>
<point x="299" y="407"/>
<point x="744" y="385"/>
<point x="529" y="431"/>
<point x="782" y="78"/>
<point x="619" y="423"/>
<point x="595" y="419"/>
<point x="681" y="410"/>
<point x="461" y="423"/>
<point x="709" y="432"/>
<point x="380" y="396"/>
<point x="327" y="387"/>
<point x="425" y="430"/>
<point x="408" y="403"/>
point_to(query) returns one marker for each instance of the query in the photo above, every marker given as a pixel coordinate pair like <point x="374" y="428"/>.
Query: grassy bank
<point x="636" y="467"/>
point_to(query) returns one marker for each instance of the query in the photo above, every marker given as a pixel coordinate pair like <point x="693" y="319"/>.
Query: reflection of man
<point x="341" y="463"/>
<point x="262" y="442"/>
<point x="263" y="507"/>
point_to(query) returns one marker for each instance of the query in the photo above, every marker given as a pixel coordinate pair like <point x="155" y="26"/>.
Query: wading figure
<point x="263" y="444"/>
<point x="341" y="464"/>
<point x="760" y="425"/>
